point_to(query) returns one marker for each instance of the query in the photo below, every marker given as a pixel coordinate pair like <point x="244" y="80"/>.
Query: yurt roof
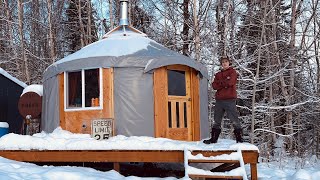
<point x="7" y="75"/>
<point x="122" y="47"/>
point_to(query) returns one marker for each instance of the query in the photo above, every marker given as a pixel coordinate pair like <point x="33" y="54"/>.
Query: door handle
<point x="189" y="99"/>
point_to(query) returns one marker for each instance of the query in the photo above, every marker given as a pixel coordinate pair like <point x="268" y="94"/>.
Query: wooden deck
<point x="118" y="156"/>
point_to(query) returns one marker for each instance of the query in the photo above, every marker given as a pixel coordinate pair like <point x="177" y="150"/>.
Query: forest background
<point x="273" y="44"/>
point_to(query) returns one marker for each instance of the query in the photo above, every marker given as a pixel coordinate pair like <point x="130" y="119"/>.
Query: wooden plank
<point x="195" y="105"/>
<point x="160" y="88"/>
<point x="94" y="156"/>
<point x="249" y="156"/>
<point x="178" y="67"/>
<point x="108" y="104"/>
<point x="225" y="167"/>
<point x="212" y="161"/>
<point x="181" y="115"/>
<point x="116" y="167"/>
<point x="254" y="171"/>
<point x="173" y="114"/>
<point x="178" y="133"/>
<point x="214" y="176"/>
<point x="109" y="155"/>
<point x="61" y="101"/>
<point x="189" y="100"/>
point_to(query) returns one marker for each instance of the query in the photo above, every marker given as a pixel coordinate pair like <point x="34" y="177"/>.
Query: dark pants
<point x="228" y="106"/>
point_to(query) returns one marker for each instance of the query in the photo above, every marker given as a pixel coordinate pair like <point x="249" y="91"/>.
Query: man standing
<point x="225" y="83"/>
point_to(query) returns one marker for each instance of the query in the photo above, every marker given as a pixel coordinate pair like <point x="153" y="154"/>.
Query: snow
<point x="4" y="125"/>
<point x="7" y="75"/>
<point x="274" y="171"/>
<point x="232" y="156"/>
<point x="234" y="172"/>
<point x="13" y="170"/>
<point x="118" y="43"/>
<point x="61" y="139"/>
<point x="33" y="88"/>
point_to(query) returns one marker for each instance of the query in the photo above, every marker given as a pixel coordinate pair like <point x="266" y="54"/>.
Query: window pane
<point x="176" y="83"/>
<point x="92" y="90"/>
<point x="74" y="89"/>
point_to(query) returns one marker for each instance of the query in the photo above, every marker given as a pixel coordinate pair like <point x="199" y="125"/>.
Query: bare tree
<point x="25" y="67"/>
<point x="52" y="37"/>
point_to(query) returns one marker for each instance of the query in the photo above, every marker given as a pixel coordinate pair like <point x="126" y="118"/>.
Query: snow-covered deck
<point x="63" y="146"/>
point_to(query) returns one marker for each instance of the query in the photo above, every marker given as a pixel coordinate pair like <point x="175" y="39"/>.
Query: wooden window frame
<point x="83" y="107"/>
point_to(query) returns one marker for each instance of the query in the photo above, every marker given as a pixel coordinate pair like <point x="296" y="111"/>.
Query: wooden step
<point x="213" y="161"/>
<point x="229" y="163"/>
<point x="192" y="176"/>
<point x="225" y="167"/>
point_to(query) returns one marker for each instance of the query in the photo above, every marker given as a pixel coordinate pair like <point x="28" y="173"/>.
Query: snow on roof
<point x="118" y="43"/>
<point x="7" y="75"/>
<point x="33" y="88"/>
<point x="64" y="140"/>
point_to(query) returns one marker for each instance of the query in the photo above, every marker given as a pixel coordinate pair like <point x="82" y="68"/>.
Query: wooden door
<point x="173" y="103"/>
<point x="179" y="103"/>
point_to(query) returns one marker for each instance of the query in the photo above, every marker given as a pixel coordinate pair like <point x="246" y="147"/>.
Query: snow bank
<point x="64" y="140"/>
<point x="4" y="125"/>
<point x="15" y="170"/>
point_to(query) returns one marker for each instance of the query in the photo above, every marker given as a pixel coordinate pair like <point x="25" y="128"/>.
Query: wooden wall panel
<point x="61" y="101"/>
<point x="160" y="101"/>
<point x="79" y="121"/>
<point x="195" y="96"/>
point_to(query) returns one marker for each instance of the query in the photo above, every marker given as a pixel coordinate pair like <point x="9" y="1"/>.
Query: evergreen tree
<point x="79" y="32"/>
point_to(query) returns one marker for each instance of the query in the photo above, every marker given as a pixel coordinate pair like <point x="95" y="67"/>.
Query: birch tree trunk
<point x="185" y="29"/>
<point x="196" y="31"/>
<point x="89" y="34"/>
<point x="82" y="33"/>
<point x="256" y="77"/>
<point x="25" y="68"/>
<point x="52" y="45"/>
<point x="292" y="70"/>
<point x="111" y="14"/>
<point x="220" y="27"/>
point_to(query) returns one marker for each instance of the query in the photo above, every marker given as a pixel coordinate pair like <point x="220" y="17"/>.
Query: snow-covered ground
<point x="60" y="139"/>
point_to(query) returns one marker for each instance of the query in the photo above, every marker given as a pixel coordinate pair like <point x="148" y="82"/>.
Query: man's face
<point x="225" y="63"/>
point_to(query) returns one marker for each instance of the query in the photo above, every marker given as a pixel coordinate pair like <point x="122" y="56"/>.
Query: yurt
<point x="10" y="91"/>
<point x="127" y="84"/>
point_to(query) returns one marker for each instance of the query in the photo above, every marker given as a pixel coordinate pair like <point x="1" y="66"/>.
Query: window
<point x="176" y="83"/>
<point x="83" y="89"/>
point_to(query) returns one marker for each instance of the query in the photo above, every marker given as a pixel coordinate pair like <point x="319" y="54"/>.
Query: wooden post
<point x="254" y="171"/>
<point x="116" y="166"/>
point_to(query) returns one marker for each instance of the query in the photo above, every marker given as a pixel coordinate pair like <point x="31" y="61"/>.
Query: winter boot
<point x="238" y="135"/>
<point x="214" y="136"/>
